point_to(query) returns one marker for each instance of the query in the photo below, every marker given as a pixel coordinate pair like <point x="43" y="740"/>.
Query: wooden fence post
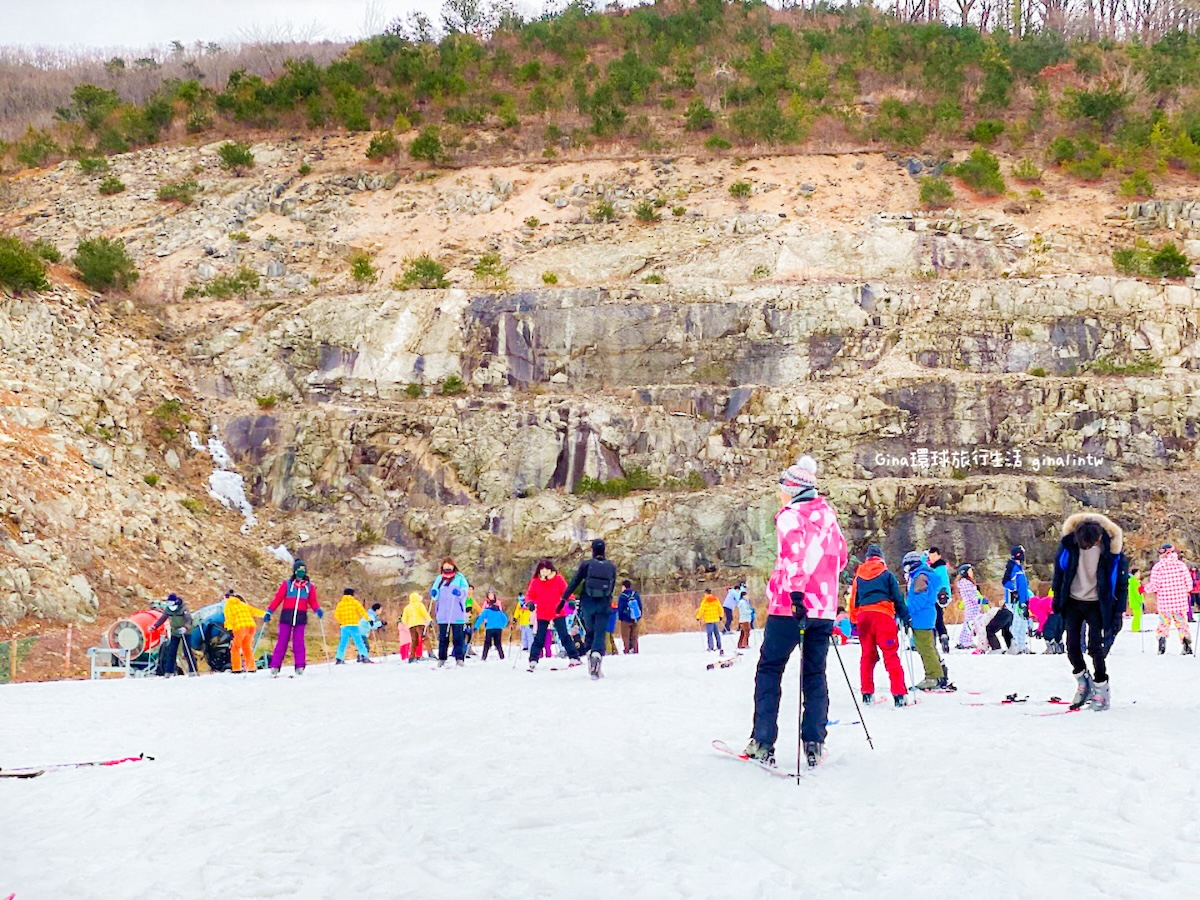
<point x="67" y="655"/>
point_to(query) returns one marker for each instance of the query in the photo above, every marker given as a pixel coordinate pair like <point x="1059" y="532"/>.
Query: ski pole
<point x="853" y="696"/>
<point x="800" y="710"/>
<point x="325" y="644"/>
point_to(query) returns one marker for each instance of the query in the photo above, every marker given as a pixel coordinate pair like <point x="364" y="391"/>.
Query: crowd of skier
<point x="1092" y="588"/>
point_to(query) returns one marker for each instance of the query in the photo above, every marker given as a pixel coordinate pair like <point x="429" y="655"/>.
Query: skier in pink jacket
<point x="802" y="598"/>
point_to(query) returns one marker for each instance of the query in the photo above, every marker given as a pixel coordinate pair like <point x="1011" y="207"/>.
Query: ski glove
<point x="266" y="617"/>
<point x="799" y="613"/>
<point x="320" y="613"/>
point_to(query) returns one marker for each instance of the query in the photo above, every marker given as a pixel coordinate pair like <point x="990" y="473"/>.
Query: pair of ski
<point x="1014" y="699"/>
<point x="725" y="750"/>
<point x="35" y="771"/>
<point x="724" y="663"/>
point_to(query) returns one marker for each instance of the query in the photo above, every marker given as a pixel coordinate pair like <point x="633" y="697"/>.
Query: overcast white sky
<point x="142" y="23"/>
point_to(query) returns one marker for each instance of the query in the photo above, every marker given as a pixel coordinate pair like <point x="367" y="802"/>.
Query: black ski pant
<point x="444" y="634"/>
<point x="780" y="638"/>
<point x="1001" y="624"/>
<point x="491" y="638"/>
<point x="594" y="615"/>
<point x="728" y="619"/>
<point x="564" y="638"/>
<point x="168" y="658"/>
<point x="940" y="628"/>
<point x="1076" y="614"/>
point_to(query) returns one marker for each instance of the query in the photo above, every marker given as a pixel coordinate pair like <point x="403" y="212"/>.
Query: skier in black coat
<point x="596" y="580"/>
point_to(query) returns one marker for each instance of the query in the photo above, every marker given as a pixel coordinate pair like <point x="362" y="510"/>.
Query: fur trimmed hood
<point x="1116" y="536"/>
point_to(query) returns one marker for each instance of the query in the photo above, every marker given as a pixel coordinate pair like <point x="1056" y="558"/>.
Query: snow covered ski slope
<point x="395" y="781"/>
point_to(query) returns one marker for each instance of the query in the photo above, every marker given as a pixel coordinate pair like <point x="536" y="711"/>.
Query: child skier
<point x="876" y="604"/>
<point x="968" y="599"/>
<point x="745" y="612"/>
<point x="239" y="618"/>
<point x="1091" y="584"/>
<point x="710" y="612"/>
<point x="349" y="614"/>
<point x="922" y="611"/>
<point x="629" y="612"/>
<point x="294" y="598"/>
<point x="842" y="627"/>
<point x="802" y="598"/>
<point x="1170" y="583"/>
<point x="522" y="617"/>
<point x="1135" y="598"/>
<point x="1016" y="584"/>
<point x="492" y="621"/>
<point x="416" y="619"/>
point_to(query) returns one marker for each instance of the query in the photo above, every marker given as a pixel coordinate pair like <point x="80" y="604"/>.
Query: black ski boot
<point x="900" y="700"/>
<point x="760" y="753"/>
<point x="868" y="698"/>
<point x="813" y="751"/>
<point x="945" y="639"/>
<point x="1162" y="646"/>
<point x="1187" y="647"/>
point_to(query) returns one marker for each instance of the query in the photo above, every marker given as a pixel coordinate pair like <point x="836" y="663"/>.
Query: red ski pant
<point x="877" y="632"/>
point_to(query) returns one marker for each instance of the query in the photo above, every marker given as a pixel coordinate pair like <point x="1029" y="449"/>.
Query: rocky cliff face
<point x="966" y="378"/>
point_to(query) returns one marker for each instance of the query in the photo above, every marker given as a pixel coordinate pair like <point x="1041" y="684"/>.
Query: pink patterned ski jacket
<point x="812" y="554"/>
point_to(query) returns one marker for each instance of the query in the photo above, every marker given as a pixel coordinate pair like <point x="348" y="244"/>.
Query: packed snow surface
<point x="397" y="780"/>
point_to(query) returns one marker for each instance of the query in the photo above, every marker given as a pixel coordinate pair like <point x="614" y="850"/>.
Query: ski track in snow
<point x="488" y="782"/>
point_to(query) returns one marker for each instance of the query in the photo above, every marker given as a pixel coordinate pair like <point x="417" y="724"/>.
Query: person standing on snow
<point x="597" y="579"/>
<point x="709" y="615"/>
<point x="449" y="597"/>
<point x="968" y="598"/>
<point x="416" y="619"/>
<point x="802" y="598"/>
<point x="1135" y="598"/>
<point x="180" y="620"/>
<point x="1016" y="584"/>
<point x="294" y="598"/>
<point x="875" y="605"/>
<point x="239" y="618"/>
<point x="728" y="605"/>
<point x="1170" y="583"/>
<point x="492" y="621"/>
<point x="745" y="611"/>
<point x="349" y="614"/>
<point x="941" y="594"/>
<point x="1091" y="585"/>
<point x="922" y="606"/>
<point x="629" y="612"/>
<point x="522" y="616"/>
<point x="545" y="592"/>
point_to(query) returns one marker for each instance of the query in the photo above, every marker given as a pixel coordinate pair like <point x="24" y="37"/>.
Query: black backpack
<point x="600" y="581"/>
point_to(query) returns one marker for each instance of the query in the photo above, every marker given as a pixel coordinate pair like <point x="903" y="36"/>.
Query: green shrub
<point x="653" y="278"/>
<point x="740" y="189"/>
<point x="716" y="142"/>
<point x="1026" y="171"/>
<point x="453" y="385"/>
<point x="22" y="268"/>
<point x="1137" y="185"/>
<point x="1038" y="372"/>
<point x="239" y="237"/>
<point x="698" y="116"/>
<point x="427" y="145"/>
<point x="36" y="148"/>
<point x="414" y="390"/>
<point x="549" y="278"/>
<point x="604" y="211"/>
<point x="111" y="185"/>
<point x="241" y="283"/>
<point x="305" y="169"/>
<point x="192" y="505"/>
<point x="104" y="263"/>
<point x="981" y="172"/>
<point x="678" y="211"/>
<point x="1141" y="259"/>
<point x="362" y="269"/>
<point x="267" y="402"/>
<point x="1102" y="107"/>
<point x="46" y="250"/>
<point x="1063" y="150"/>
<point x="93" y="165"/>
<point x="491" y="271"/>
<point x="1144" y="364"/>
<point x="936" y="193"/>
<point x="760" y="271"/>
<point x="985" y="131"/>
<point x="383" y="145"/>
<point x="533" y="222"/>
<point x="235" y="157"/>
<point x="424" y="273"/>
<point x="1090" y="168"/>
<point x="150" y="479"/>
<point x="179" y="192"/>
<point x="646" y="212"/>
